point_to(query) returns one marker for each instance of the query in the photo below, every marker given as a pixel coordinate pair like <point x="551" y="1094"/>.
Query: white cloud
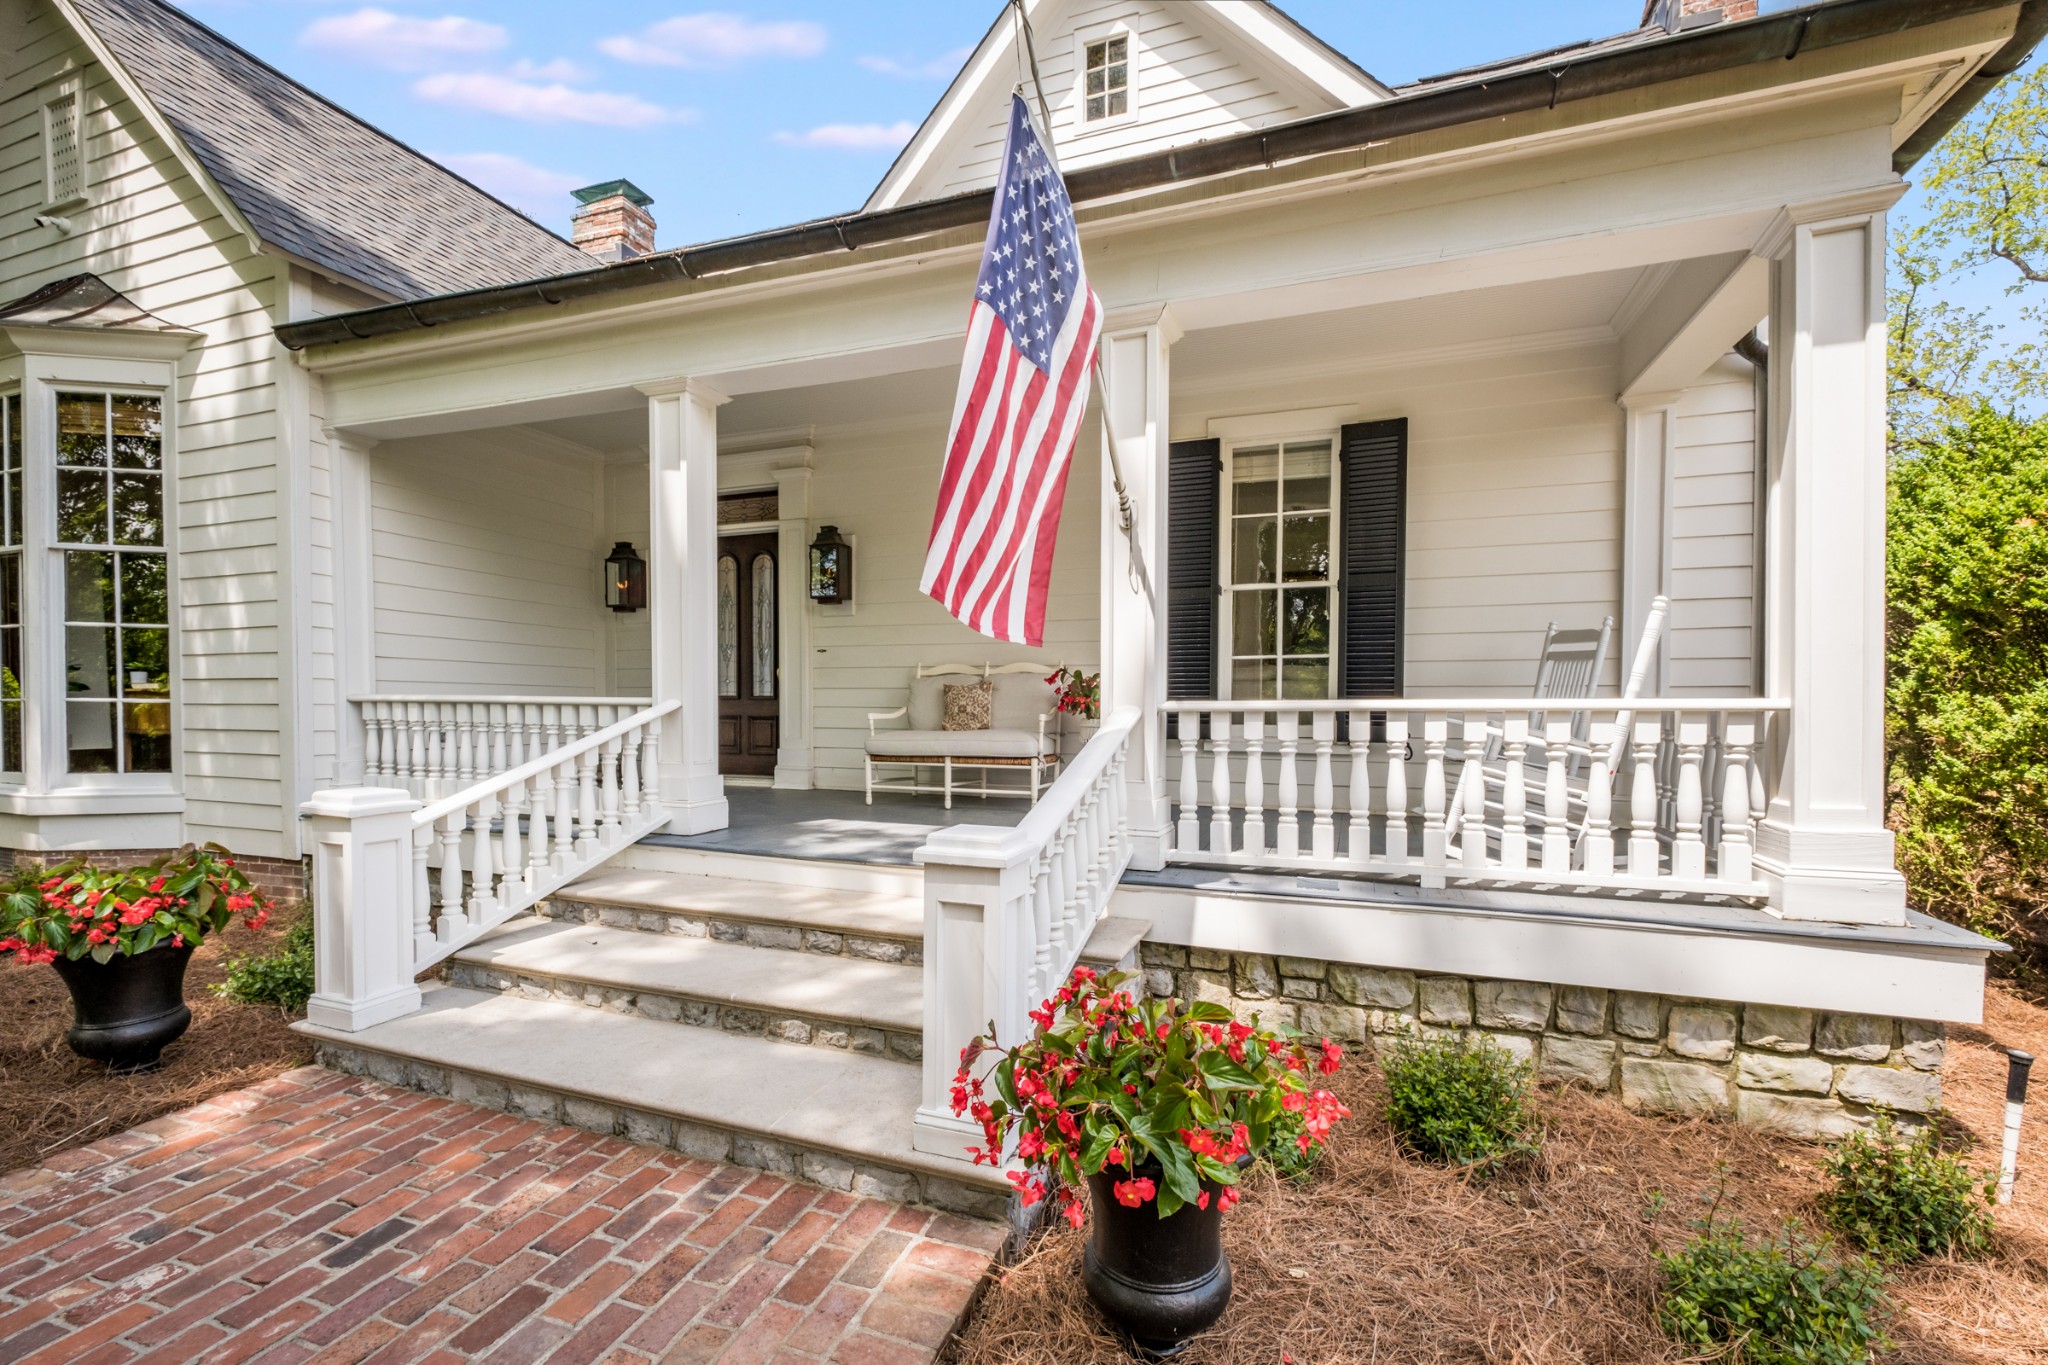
<point x="853" y="137"/>
<point x="534" y="190"/>
<point x="560" y="69"/>
<point x="940" y="68"/>
<point x="402" y="42"/>
<point x="488" y="93"/>
<point x="714" y="39"/>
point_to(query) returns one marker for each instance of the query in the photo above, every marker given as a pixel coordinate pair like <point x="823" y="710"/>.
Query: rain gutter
<point x="1700" y="52"/>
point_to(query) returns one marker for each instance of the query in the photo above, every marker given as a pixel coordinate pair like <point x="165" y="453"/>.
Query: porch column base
<point x="1831" y="876"/>
<point x="353" y="1016"/>
<point x="1151" y="830"/>
<point x="697" y="813"/>
<point x="940" y="1132"/>
<point x="793" y="771"/>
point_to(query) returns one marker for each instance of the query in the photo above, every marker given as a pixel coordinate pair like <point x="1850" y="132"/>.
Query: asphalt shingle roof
<point x="313" y="179"/>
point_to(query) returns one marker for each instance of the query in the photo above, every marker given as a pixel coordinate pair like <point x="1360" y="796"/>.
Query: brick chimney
<point x="613" y="223"/>
<point x="1675" y="16"/>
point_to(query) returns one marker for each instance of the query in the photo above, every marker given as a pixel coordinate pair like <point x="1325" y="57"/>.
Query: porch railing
<point x="436" y="746"/>
<point x="1006" y="912"/>
<point x="399" y="885"/>
<point x="1623" y="795"/>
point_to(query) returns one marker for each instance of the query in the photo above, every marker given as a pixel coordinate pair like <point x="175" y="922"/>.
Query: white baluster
<point x="565" y="820"/>
<point x="1597" y="846"/>
<point x="1643" y="798"/>
<point x="452" y="915"/>
<point x="1436" y="731"/>
<point x="1738" y="837"/>
<point x="511" y="856"/>
<point x="1688" y="849"/>
<point x="608" y="769"/>
<point x="1557" y="836"/>
<point x="1514" y="796"/>
<point x="629" y="777"/>
<point x="1041" y="927"/>
<point x="422" y="773"/>
<point x="483" y="863"/>
<point x="1187" y="834"/>
<point x="1322" y="841"/>
<point x="1220" y="844"/>
<point x="537" y="866"/>
<point x="1667" y="777"/>
<point x="422" y="892"/>
<point x="1358" y="792"/>
<point x="648" y="739"/>
<point x="1255" y="845"/>
<point x="1472" y="781"/>
<point x="1288" y="726"/>
<point x="1396" y="788"/>
<point x="1712" y="780"/>
<point x="466" y="764"/>
<point x="586" y="800"/>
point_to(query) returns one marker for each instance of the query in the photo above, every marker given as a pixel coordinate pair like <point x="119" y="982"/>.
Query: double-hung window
<point x="1280" y="570"/>
<point x="114" y="571"/>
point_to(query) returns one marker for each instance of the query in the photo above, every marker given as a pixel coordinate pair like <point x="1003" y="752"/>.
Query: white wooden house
<point x="1537" y="342"/>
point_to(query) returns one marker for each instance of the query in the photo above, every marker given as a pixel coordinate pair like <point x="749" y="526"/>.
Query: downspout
<point x="1757" y="352"/>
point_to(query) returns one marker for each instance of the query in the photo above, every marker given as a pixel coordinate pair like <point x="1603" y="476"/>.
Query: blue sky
<point x="737" y="115"/>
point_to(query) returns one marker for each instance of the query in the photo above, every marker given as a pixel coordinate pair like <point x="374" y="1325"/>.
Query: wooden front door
<point x="749" y="699"/>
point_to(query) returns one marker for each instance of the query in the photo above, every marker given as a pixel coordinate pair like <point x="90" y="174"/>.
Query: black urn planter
<point x="126" y="1010"/>
<point x="1159" y="1280"/>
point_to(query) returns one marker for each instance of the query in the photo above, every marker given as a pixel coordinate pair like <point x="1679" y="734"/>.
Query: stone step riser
<point x="785" y="937"/>
<point x="775" y="1025"/>
<point x="757" y="1151"/>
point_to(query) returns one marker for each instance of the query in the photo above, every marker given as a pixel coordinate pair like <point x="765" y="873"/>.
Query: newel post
<point x="361" y="842"/>
<point x="978" y="957"/>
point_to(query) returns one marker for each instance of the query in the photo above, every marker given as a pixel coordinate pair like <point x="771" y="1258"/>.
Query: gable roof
<point x="1259" y="26"/>
<point x="310" y="178"/>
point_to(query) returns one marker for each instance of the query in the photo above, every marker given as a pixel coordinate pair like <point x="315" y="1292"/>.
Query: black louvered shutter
<point x="1193" y="488"/>
<point x="1375" y="484"/>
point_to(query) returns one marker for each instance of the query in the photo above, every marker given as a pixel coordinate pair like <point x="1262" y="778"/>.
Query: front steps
<point x="766" y="1023"/>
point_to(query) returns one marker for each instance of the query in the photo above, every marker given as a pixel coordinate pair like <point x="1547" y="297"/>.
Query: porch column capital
<point x="688" y="386"/>
<point x="342" y="436"/>
<point x="1143" y="317"/>
<point x="1641" y="402"/>
<point x="1776" y="239"/>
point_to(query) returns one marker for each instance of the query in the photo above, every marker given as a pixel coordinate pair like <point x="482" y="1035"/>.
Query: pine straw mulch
<point x="1384" y="1259"/>
<point x="52" y="1099"/>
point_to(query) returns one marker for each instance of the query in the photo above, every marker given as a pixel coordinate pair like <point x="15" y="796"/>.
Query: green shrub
<point x="283" y="978"/>
<point x="1902" y="1200"/>
<point x="1966" y="703"/>
<point x="1458" y="1100"/>
<point x="1786" y="1301"/>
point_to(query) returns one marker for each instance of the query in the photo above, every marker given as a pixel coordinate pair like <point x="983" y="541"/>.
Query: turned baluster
<point x="537" y="830"/>
<point x="1557" y="836"/>
<point x="483" y="863"/>
<point x="1688" y="849"/>
<point x="1322" y="838"/>
<point x="1597" y="844"/>
<point x="416" y="734"/>
<point x="650" y="795"/>
<point x="1041" y="926"/>
<point x="466" y="740"/>
<point x="1472" y="781"/>
<point x="452" y="916"/>
<point x="1712" y="779"/>
<point x="422" y="891"/>
<point x="1643" y="798"/>
<point x="565" y="820"/>
<point x="1514" y="794"/>
<point x="1436" y="732"/>
<point x="608" y="770"/>
<point x="511" y="858"/>
<point x="629" y="778"/>
<point x="1187" y="834"/>
<point x="1667" y="777"/>
<point x="1220" y="842"/>
<point x="1287" y="725"/>
<point x="1358" y="791"/>
<point x="586" y="803"/>
<point x="1059" y="878"/>
<point x="1255" y="844"/>
<point x="1738" y="838"/>
<point x="1395" y="797"/>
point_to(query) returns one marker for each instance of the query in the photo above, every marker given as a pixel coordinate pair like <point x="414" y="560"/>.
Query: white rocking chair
<point x="1569" y="666"/>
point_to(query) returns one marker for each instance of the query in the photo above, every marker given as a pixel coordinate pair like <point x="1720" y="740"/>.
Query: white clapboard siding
<point x="1514" y="497"/>
<point x="487" y="566"/>
<point x="625" y="495"/>
<point x="1712" y="523"/>
<point x="1193" y="84"/>
<point x="151" y="231"/>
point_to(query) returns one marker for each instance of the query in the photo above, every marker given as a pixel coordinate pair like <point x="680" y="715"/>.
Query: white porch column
<point x="1650" y="428"/>
<point x="1135" y="351"/>
<point x="794" y="764"/>
<point x="682" y="460"/>
<point x="354" y="579"/>
<point x="1823" y="843"/>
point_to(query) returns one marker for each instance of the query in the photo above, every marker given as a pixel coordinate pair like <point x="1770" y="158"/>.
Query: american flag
<point x="1030" y="341"/>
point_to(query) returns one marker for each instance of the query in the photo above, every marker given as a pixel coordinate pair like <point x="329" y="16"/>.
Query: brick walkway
<point x="323" y="1218"/>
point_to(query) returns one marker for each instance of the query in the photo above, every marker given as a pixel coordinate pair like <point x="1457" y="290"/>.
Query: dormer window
<point x="1107" y="77"/>
<point x="63" y="143"/>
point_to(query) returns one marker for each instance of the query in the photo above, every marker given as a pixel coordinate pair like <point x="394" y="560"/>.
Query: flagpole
<point x="1126" y="518"/>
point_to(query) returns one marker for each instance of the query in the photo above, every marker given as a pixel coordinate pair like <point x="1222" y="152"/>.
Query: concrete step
<point x="872" y="1008"/>
<point x="877" y="926"/>
<point x="834" y="1118"/>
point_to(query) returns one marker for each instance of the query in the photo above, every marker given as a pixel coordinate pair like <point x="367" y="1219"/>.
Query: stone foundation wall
<point x="1800" y="1072"/>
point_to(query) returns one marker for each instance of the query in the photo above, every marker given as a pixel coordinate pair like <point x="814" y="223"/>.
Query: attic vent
<point x="63" y="143"/>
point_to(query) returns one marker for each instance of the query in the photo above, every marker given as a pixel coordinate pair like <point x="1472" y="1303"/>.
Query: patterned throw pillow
<point x="967" y="705"/>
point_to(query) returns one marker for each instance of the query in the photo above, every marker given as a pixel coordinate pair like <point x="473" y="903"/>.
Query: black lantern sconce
<point x="625" y="578"/>
<point x="831" y="568"/>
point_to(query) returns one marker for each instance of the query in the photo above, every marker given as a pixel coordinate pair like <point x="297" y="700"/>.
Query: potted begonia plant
<point x="121" y="940"/>
<point x="1077" y="701"/>
<point x="1158" y="1106"/>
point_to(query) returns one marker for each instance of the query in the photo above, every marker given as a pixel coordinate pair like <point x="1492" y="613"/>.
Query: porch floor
<point x="839" y="826"/>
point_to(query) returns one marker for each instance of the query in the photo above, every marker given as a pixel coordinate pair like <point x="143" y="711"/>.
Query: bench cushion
<point x="954" y="744"/>
<point x="1020" y="699"/>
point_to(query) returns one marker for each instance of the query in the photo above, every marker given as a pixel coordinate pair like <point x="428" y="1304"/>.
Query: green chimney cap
<point x="590" y="194"/>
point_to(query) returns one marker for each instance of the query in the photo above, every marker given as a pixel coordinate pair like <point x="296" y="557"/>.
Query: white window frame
<point x="1275" y="429"/>
<point x="54" y="121"/>
<point x="1085" y="38"/>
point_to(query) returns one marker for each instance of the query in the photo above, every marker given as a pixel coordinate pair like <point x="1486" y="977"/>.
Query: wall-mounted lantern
<point x="625" y="578"/>
<point x="831" y="567"/>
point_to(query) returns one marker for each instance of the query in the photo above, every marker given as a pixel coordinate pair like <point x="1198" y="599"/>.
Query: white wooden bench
<point x="1022" y="733"/>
